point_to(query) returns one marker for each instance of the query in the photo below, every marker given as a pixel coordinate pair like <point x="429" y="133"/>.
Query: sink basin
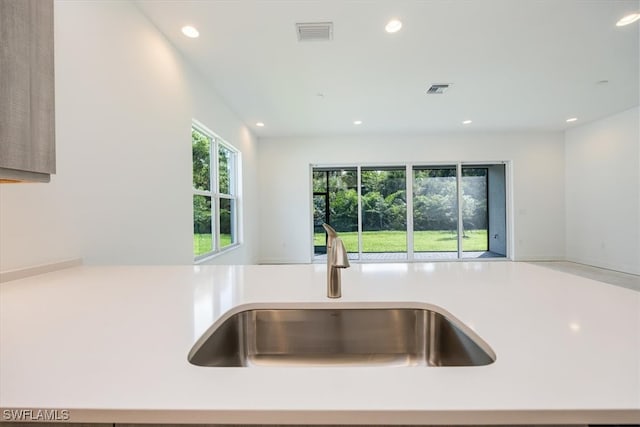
<point x="333" y="336"/>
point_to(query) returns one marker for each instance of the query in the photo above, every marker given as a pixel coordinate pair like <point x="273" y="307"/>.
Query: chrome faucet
<point x="336" y="259"/>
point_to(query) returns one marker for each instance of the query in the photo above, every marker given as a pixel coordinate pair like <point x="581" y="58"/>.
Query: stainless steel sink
<point x="339" y="337"/>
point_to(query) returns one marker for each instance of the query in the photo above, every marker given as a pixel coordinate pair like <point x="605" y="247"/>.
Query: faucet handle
<point x="339" y="256"/>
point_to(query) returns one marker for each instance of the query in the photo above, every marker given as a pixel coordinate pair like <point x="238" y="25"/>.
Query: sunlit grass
<point x="203" y="244"/>
<point x="423" y="241"/>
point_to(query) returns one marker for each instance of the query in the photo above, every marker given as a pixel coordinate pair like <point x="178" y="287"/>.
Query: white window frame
<point x="215" y="143"/>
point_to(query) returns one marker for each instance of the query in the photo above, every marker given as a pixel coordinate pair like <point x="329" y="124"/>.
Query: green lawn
<point x="423" y="241"/>
<point x="202" y="243"/>
<point x="379" y="241"/>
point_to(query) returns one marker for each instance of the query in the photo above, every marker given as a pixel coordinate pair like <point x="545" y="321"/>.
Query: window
<point x="412" y="211"/>
<point x="215" y="201"/>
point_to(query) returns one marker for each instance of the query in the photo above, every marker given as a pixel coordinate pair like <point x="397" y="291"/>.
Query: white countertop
<point x="110" y="344"/>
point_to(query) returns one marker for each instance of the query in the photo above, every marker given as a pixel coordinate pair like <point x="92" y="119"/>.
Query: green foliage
<point x="343" y="199"/>
<point x="202" y="205"/>
<point x="201" y="214"/>
<point x="344" y="210"/>
<point x="224" y="163"/>
<point x="435" y="205"/>
<point x="384" y="205"/>
<point x="225" y="216"/>
<point x="201" y="155"/>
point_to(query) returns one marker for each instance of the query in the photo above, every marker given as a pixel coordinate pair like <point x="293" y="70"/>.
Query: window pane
<point x="225" y="168"/>
<point x="320" y="181"/>
<point x="319" y="217"/>
<point x="474" y="210"/>
<point x="343" y="206"/>
<point x="335" y="202"/>
<point x="202" y="241"/>
<point x="435" y="213"/>
<point x="227" y="222"/>
<point x="384" y="213"/>
<point x="201" y="152"/>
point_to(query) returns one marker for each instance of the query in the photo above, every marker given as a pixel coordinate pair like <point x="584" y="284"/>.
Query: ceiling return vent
<point x="438" y="89"/>
<point x="314" y="31"/>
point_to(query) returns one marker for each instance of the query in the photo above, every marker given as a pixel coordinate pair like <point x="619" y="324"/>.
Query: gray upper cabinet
<point x="27" y="120"/>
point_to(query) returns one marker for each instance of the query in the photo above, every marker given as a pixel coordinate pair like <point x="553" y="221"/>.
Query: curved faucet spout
<point x="337" y="258"/>
<point x="330" y="231"/>
<point x="331" y="236"/>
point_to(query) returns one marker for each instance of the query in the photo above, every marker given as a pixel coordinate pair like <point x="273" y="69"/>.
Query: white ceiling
<point x="514" y="64"/>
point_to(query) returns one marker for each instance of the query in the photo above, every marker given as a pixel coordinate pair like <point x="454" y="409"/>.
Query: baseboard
<point x="276" y="261"/>
<point x="21" y="273"/>
<point x="539" y="258"/>
<point x="620" y="268"/>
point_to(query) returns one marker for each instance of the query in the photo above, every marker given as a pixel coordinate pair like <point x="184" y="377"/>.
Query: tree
<point x="201" y="153"/>
<point x="344" y="210"/>
<point x="374" y="211"/>
<point x="201" y="214"/>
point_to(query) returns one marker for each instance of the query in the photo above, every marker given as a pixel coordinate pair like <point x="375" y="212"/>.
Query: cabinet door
<point x="15" y="103"/>
<point x="27" y="127"/>
<point x="41" y="75"/>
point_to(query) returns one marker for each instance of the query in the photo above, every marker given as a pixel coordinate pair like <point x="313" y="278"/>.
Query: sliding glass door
<point x="474" y="211"/>
<point x="335" y="201"/>
<point x="435" y="212"/>
<point x="384" y="213"/>
<point x="451" y="212"/>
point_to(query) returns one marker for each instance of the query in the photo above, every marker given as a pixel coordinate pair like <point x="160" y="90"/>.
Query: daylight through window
<point x="215" y="201"/>
<point x="453" y="211"/>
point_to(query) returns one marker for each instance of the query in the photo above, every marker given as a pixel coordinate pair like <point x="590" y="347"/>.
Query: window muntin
<point x="215" y="202"/>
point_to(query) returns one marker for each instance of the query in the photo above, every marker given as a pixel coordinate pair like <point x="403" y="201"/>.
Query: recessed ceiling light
<point x="190" y="31"/>
<point x="466" y="122"/>
<point x="572" y="119"/>
<point x="357" y="122"/>
<point x="629" y="19"/>
<point x="393" y="26"/>
<point x="260" y="124"/>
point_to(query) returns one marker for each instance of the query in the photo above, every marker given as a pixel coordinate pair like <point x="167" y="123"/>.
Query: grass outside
<point x="203" y="244"/>
<point x="423" y="241"/>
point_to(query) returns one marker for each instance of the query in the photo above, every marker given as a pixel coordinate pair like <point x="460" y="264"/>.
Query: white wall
<point x="122" y="195"/>
<point x="603" y="192"/>
<point x="538" y="182"/>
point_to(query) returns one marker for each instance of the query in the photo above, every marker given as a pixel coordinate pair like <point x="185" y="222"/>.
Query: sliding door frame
<point x="409" y="168"/>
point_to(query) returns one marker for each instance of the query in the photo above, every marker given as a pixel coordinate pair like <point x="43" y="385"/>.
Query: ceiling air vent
<point x="438" y="88"/>
<point x="314" y="31"/>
